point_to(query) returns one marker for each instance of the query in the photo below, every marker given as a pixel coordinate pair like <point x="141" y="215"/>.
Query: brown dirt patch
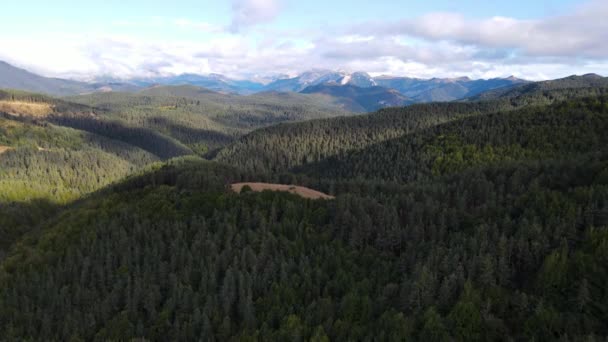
<point x="4" y="148"/>
<point x="294" y="189"/>
<point x="38" y="110"/>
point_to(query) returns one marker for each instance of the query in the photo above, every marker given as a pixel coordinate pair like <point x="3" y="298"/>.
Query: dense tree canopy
<point x="474" y="256"/>
<point x="467" y="221"/>
<point x="205" y="120"/>
<point x="285" y="147"/>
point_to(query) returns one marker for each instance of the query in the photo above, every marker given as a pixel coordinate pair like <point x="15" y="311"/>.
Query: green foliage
<point x="287" y="147"/>
<point x="48" y="166"/>
<point x="433" y="329"/>
<point x="204" y="120"/>
<point x="45" y="159"/>
<point x="558" y="131"/>
<point x="173" y="253"/>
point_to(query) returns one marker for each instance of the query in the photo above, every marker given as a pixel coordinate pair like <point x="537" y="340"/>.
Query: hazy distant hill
<point x="178" y="91"/>
<point x="16" y="78"/>
<point x="12" y="77"/>
<point x="215" y="82"/>
<point x="369" y="99"/>
<point x="446" y="89"/>
<point x="570" y="82"/>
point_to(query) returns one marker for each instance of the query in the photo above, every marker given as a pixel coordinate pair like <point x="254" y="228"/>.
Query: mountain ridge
<point x="419" y="90"/>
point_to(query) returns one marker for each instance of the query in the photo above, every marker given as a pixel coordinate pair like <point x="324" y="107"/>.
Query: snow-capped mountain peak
<point x="345" y="80"/>
<point x="362" y="79"/>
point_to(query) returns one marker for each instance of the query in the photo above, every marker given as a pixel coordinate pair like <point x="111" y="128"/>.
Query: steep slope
<point x="370" y="98"/>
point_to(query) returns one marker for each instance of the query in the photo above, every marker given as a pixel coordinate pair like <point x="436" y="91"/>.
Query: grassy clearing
<point x="38" y="110"/>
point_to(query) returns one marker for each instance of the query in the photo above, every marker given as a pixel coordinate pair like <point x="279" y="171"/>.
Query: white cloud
<point x="580" y="34"/>
<point x="84" y="56"/>
<point x="200" y="26"/>
<point x="252" y="12"/>
<point x="434" y="45"/>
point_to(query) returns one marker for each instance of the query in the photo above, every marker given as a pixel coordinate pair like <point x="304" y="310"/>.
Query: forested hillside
<point x="283" y="147"/>
<point x="40" y="109"/>
<point x="562" y="130"/>
<point x="205" y="120"/>
<point x="467" y="221"/>
<point x="43" y="166"/>
<point x="54" y="151"/>
<point x="304" y="171"/>
<point x="517" y="251"/>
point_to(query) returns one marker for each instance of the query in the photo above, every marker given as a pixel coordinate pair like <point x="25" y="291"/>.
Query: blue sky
<point x="252" y="38"/>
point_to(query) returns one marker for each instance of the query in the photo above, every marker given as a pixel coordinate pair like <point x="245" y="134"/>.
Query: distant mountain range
<point x="359" y="99"/>
<point x="316" y="77"/>
<point x="415" y="89"/>
<point x="358" y="91"/>
<point x="444" y="89"/>
<point x="215" y="82"/>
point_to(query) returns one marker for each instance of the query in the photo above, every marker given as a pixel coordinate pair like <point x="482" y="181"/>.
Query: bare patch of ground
<point x="4" y="148"/>
<point x="294" y="189"/>
<point x="35" y="109"/>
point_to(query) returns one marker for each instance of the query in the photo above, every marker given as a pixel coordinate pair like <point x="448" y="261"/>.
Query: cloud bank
<point x="433" y="45"/>
<point x="248" y="13"/>
<point x="579" y="34"/>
